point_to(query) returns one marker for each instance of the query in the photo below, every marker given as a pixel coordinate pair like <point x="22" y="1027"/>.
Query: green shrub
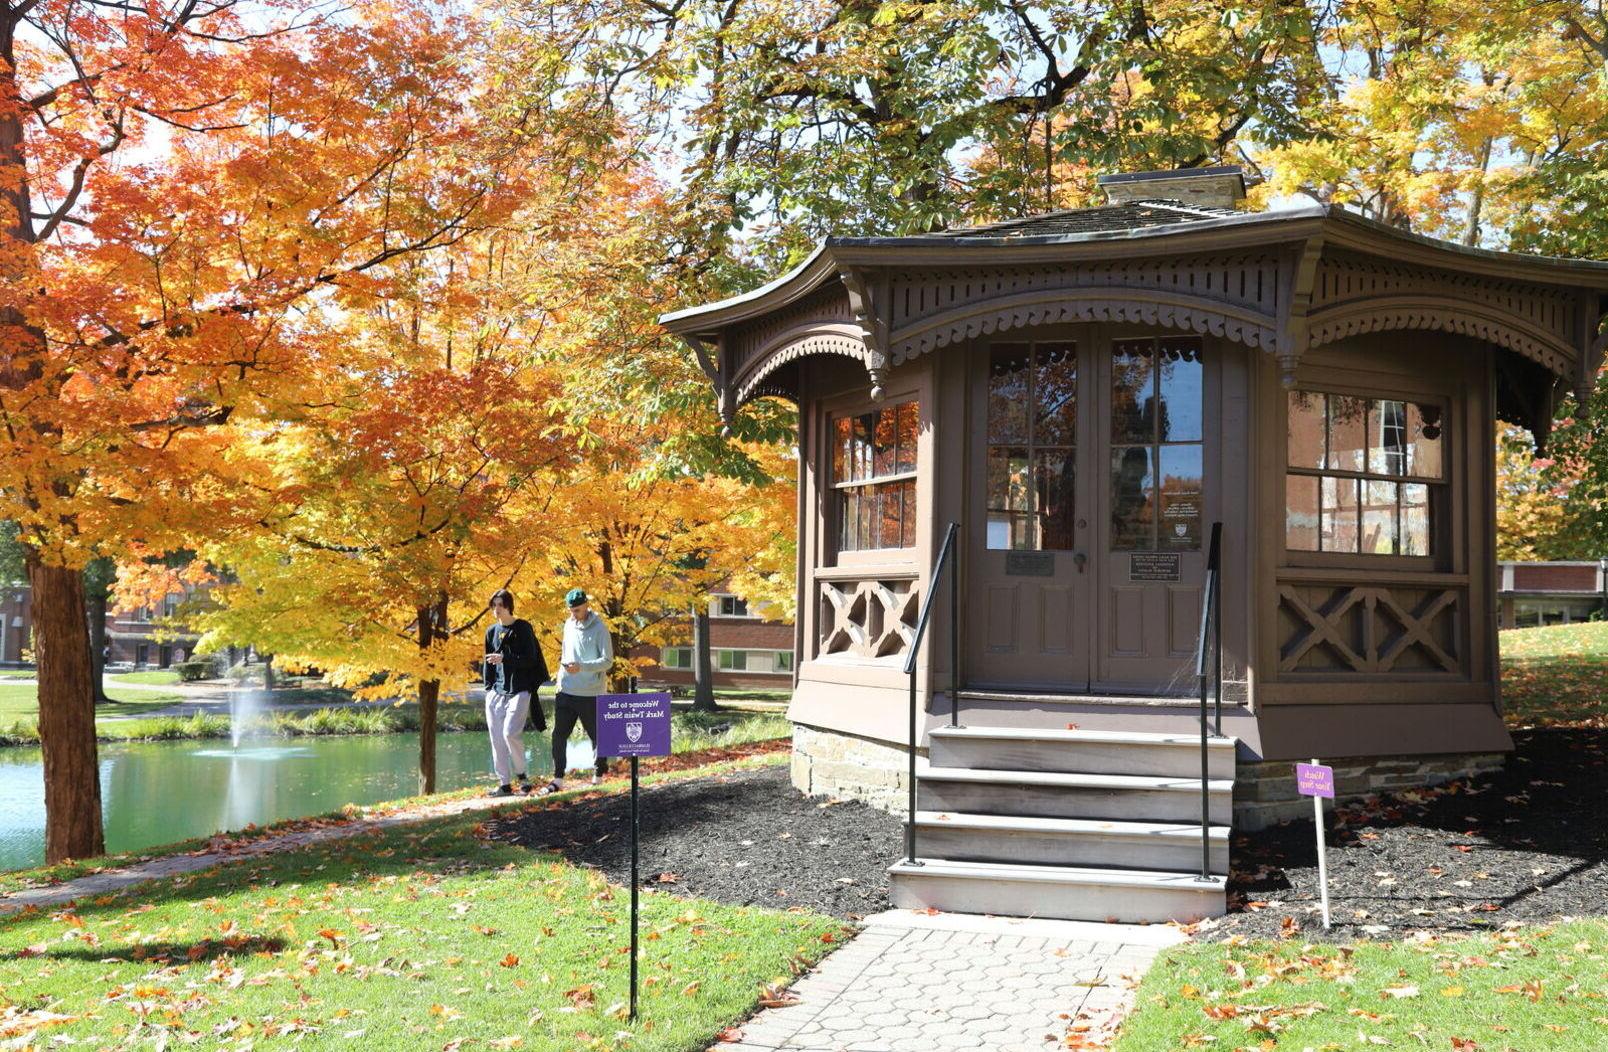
<point x="194" y="669"/>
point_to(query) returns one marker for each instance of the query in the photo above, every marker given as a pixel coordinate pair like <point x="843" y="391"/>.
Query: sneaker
<point x="524" y="784"/>
<point x="555" y="786"/>
<point x="502" y="790"/>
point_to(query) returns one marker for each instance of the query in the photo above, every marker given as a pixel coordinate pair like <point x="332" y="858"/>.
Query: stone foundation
<point x="1264" y="792"/>
<point x="831" y="763"/>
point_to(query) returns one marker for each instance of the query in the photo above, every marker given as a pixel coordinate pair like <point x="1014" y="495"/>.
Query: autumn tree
<point x="185" y="189"/>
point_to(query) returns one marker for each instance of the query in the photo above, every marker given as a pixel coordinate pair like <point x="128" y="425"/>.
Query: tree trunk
<point x="66" y="713"/>
<point x="432" y="626"/>
<point x="268" y="672"/>
<point x="97" y="646"/>
<point x="703" y="673"/>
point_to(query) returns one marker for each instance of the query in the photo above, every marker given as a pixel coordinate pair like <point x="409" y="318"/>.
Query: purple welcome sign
<point x="1314" y="779"/>
<point x="633" y="724"/>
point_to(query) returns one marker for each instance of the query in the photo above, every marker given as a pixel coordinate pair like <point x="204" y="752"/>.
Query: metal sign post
<point x="1317" y="781"/>
<point x="634" y="725"/>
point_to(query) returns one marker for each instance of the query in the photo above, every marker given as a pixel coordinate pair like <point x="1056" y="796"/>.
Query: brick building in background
<point x="746" y="650"/>
<point x="1551" y="593"/>
<point x="16" y="622"/>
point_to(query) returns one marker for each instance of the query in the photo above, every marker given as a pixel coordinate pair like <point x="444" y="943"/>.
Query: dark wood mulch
<point x="746" y="839"/>
<point x="1527" y="844"/>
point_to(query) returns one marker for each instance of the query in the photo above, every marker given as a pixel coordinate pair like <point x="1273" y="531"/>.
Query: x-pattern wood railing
<point x="1326" y="624"/>
<point x="868" y="618"/>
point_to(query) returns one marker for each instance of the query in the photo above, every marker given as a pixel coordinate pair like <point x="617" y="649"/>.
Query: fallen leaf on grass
<point x="510" y="961"/>
<point x="1399" y="991"/>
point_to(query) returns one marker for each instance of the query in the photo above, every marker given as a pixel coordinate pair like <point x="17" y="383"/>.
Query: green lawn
<point x="161" y="677"/>
<point x="1554" y="676"/>
<point x="1521" y="989"/>
<point x="413" y="937"/>
<point x="1527" y="988"/>
<point x="21" y="702"/>
<point x="17" y="673"/>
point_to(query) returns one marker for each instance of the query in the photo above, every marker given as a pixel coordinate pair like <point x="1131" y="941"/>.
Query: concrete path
<point x="948" y="982"/>
<point x="111" y="880"/>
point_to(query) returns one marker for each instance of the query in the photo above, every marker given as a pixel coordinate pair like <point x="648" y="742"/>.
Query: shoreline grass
<point x="690" y="730"/>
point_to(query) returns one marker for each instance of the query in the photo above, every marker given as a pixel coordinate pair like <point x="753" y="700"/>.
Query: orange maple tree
<point x="188" y="192"/>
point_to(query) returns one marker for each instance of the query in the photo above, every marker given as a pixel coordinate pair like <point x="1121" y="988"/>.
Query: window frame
<point x="834" y="488"/>
<point x="1442" y="491"/>
<point x="1155" y="444"/>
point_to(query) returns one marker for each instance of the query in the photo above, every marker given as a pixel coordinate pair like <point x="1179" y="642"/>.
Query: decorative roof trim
<point x="1105" y="303"/>
<point x="806" y="340"/>
<point x="1465" y="317"/>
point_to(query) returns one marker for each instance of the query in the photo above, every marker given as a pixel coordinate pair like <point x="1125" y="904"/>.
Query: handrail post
<point x="1217" y="647"/>
<point x="910" y="670"/>
<point x="954" y="641"/>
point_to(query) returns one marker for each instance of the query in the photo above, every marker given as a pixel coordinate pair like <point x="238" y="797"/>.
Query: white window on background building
<point x="731" y="660"/>
<point x="676" y="657"/>
<point x="731" y="606"/>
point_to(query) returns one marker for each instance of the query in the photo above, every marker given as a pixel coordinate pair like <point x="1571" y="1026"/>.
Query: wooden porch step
<point x="1049" y="697"/>
<point x="1085" y="842"/>
<point x="1080" y="751"/>
<point x="1053" y="794"/>
<point x="1060" y="892"/>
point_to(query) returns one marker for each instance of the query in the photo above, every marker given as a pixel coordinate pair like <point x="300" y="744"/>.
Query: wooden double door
<point x="1089" y="502"/>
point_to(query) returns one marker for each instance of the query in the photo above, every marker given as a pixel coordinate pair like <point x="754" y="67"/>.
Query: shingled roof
<point x="1101" y="219"/>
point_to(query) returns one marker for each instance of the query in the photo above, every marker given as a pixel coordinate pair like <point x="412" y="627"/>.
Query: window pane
<point x="1348" y="433"/>
<point x="784" y="661"/>
<point x="1415" y="524"/>
<point x="1007" y="392"/>
<point x="1304" y="441"/>
<point x="884" y="437"/>
<point x="1424" y="426"/>
<point x="890" y="497"/>
<point x="1182" y="496"/>
<point x="1132" y="416"/>
<point x="1339" y="526"/>
<point x="1056" y="394"/>
<point x="1301" y="513"/>
<point x="1387" y="431"/>
<point x="907" y="496"/>
<point x="865" y="534"/>
<point x="848" y="513"/>
<point x="1132" y="499"/>
<point x="864" y="425"/>
<point x="1378" y="518"/>
<point x="1007" y="497"/>
<point x="842" y="443"/>
<point x="1182" y="378"/>
<point x="906" y="426"/>
<point x="1053" y="470"/>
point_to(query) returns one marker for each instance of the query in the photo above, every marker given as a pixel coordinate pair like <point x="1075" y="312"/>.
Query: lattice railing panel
<point x="1370" y="629"/>
<point x="869" y="619"/>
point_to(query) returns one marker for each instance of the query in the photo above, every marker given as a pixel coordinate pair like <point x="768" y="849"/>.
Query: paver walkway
<point x="954" y="983"/>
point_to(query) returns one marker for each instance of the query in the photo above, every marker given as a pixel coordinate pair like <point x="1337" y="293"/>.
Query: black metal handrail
<point x="938" y="565"/>
<point x="1211" y="623"/>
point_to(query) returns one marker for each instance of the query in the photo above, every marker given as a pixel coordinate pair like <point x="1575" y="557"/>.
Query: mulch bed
<point x="1527" y="844"/>
<point x="745" y="839"/>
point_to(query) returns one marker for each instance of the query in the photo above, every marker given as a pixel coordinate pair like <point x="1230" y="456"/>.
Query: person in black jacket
<point x="514" y="670"/>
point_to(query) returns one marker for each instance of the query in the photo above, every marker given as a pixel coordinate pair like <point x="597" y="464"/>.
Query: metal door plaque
<point x="1030" y="564"/>
<point x="1153" y="566"/>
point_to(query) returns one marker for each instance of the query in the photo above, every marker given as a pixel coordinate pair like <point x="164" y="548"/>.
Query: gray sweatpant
<point x="505" y="722"/>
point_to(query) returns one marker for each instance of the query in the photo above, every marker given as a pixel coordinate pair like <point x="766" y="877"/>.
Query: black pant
<point x="567" y="708"/>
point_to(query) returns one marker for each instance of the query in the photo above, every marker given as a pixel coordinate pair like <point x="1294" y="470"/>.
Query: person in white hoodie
<point x="586" y="655"/>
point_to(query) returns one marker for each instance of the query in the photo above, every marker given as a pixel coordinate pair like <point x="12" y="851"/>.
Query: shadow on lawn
<point x="157" y="953"/>
<point x="1527" y="843"/>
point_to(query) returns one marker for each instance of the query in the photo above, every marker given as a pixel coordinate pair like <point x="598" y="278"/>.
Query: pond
<point x="158" y="792"/>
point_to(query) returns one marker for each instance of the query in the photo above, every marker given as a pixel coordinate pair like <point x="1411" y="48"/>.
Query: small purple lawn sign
<point x="1314" y="779"/>
<point x="1317" y="781"/>
<point x="634" y="725"/>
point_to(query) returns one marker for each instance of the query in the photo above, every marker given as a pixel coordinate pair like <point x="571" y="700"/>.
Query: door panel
<point x="1028" y="568"/>
<point x="1160" y="423"/>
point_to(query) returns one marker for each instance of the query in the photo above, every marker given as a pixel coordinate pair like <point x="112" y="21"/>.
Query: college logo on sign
<point x="1180" y="528"/>
<point x="633" y="732"/>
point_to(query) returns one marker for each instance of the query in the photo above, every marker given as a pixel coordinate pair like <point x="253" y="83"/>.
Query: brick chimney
<point x="1220" y="187"/>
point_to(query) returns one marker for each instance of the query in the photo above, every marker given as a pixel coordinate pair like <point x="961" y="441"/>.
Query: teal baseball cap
<point x="574" y="597"/>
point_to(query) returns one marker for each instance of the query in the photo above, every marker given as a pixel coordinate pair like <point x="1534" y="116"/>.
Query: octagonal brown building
<point x="1084" y="393"/>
